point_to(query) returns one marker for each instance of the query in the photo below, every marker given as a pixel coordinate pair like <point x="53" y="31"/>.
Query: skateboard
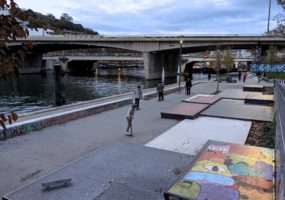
<point x="56" y="184"/>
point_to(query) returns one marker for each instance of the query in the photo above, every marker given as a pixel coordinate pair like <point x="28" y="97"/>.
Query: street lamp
<point x="180" y="63"/>
<point x="269" y="13"/>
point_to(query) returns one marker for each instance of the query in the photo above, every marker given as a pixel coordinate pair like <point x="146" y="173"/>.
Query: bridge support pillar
<point x="155" y="62"/>
<point x="32" y="64"/>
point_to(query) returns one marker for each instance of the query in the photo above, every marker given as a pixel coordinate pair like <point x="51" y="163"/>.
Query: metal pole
<point x="180" y="62"/>
<point x="269" y="13"/>
<point x="218" y="70"/>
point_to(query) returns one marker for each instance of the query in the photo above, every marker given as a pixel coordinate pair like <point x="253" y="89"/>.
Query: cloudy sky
<point x="149" y="17"/>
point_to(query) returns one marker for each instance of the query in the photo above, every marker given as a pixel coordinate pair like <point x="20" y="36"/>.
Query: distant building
<point x="4" y="11"/>
<point x="40" y="32"/>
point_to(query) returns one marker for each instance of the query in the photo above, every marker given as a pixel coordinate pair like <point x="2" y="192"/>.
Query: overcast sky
<point x="148" y="17"/>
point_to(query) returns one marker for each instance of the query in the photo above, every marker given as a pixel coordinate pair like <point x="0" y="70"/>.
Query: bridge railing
<point x="93" y="54"/>
<point x="178" y="37"/>
<point x="280" y="139"/>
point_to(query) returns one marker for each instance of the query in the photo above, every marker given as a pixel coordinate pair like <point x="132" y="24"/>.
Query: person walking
<point x="130" y="117"/>
<point x="188" y="86"/>
<point x="160" y="89"/>
<point x="239" y="75"/>
<point x="138" y="96"/>
<point x="244" y="74"/>
<point x="209" y="76"/>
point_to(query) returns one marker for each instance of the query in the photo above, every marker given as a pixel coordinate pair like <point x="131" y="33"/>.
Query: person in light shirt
<point x="130" y="117"/>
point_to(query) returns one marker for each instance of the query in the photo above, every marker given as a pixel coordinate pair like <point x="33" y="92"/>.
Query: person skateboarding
<point x="130" y="117"/>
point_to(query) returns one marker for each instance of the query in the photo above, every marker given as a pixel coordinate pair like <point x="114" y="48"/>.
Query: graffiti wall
<point x="228" y="172"/>
<point x="267" y="68"/>
<point x="38" y="124"/>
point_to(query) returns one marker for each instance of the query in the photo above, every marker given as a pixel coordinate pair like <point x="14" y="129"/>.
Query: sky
<point x="162" y="17"/>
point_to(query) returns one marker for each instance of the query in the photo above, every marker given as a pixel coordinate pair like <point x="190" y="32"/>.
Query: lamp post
<point x="269" y="13"/>
<point x="218" y="69"/>
<point x="180" y="63"/>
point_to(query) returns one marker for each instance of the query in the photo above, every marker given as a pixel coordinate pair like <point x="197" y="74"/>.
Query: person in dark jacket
<point x="239" y="75"/>
<point x="188" y="86"/>
<point x="138" y="96"/>
<point x="160" y="89"/>
<point x="209" y="76"/>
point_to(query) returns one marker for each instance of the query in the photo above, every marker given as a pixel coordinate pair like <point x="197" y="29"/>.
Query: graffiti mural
<point x="38" y="124"/>
<point x="268" y="68"/>
<point x="228" y="172"/>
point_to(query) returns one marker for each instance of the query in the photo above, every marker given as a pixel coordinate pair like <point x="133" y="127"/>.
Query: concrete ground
<point x="25" y="158"/>
<point x="189" y="136"/>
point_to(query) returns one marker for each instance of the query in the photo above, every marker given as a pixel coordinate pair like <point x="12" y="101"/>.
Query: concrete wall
<point x="28" y="126"/>
<point x="32" y="64"/>
<point x="155" y="62"/>
<point x="280" y="140"/>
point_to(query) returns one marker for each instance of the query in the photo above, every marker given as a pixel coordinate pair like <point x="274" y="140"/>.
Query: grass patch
<point x="273" y="75"/>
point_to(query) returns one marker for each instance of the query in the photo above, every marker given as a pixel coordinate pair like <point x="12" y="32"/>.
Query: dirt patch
<point x="268" y="90"/>
<point x="262" y="134"/>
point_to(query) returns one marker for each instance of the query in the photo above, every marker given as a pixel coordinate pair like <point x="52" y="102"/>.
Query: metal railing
<point x="280" y="138"/>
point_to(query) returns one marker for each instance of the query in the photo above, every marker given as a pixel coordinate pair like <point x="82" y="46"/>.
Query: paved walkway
<point x="30" y="156"/>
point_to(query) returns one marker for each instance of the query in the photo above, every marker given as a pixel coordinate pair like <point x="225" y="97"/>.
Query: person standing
<point x="258" y="74"/>
<point x="138" y="96"/>
<point x="188" y="86"/>
<point x="244" y="76"/>
<point x="130" y="117"/>
<point x="160" y="89"/>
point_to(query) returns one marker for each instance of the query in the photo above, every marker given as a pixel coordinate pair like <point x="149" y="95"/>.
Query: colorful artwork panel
<point x="230" y="172"/>
<point x="215" y="192"/>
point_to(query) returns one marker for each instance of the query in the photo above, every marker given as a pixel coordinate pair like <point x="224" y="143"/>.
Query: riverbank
<point x="25" y="158"/>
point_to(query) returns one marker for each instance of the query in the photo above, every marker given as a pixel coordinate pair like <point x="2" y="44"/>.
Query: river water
<point x="34" y="92"/>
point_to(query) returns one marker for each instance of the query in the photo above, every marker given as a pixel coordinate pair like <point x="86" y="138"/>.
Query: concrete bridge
<point x="158" y="51"/>
<point x="88" y="60"/>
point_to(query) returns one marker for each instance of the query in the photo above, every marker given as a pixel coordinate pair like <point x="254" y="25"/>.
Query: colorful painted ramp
<point x="184" y="111"/>
<point x="224" y="171"/>
<point x="203" y="99"/>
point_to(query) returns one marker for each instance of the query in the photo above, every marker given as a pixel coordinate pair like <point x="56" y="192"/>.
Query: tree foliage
<point x="66" y="17"/>
<point x="10" y="29"/>
<point x="280" y="20"/>
<point x="58" y="25"/>
<point x="228" y="60"/>
<point x="271" y="57"/>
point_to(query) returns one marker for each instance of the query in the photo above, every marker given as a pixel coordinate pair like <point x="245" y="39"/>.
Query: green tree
<point x="271" y="56"/>
<point x="228" y="60"/>
<point x="66" y="17"/>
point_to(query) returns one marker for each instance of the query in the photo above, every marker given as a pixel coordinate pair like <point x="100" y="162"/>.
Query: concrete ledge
<point x="253" y="88"/>
<point x="259" y="99"/>
<point x="28" y="126"/>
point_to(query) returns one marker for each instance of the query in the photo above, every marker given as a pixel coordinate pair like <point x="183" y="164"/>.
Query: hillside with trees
<point x="59" y="26"/>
